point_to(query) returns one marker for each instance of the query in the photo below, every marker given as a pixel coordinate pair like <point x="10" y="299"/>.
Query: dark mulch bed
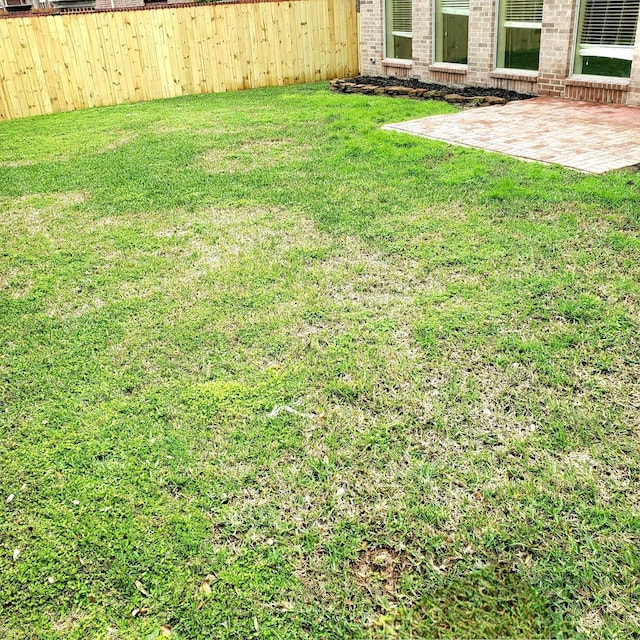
<point x="461" y="90"/>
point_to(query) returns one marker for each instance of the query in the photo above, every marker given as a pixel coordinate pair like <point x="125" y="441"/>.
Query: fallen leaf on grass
<point x="163" y="632"/>
<point x="204" y="590"/>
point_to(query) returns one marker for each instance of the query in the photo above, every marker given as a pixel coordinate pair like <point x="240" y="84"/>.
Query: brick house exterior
<point x="84" y="5"/>
<point x="116" y="4"/>
<point x="128" y="4"/>
<point x="102" y="5"/>
<point x="564" y="33"/>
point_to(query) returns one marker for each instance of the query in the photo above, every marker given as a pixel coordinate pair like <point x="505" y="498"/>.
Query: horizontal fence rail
<point x="66" y="62"/>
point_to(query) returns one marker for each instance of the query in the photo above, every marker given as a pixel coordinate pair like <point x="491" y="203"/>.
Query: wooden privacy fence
<point x="65" y="62"/>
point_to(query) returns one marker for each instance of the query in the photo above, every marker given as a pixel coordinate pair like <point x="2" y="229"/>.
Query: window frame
<point x="435" y="35"/>
<point x="501" y="9"/>
<point x="577" y="24"/>
<point x="385" y="34"/>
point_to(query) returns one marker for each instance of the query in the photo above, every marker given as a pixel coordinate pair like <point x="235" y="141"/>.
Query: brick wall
<point x="118" y="4"/>
<point x="372" y="36"/>
<point x="594" y="91"/>
<point x="422" y="37"/>
<point x="634" y="81"/>
<point x="128" y="4"/>
<point x="552" y="79"/>
<point x="440" y="73"/>
<point x="556" y="44"/>
<point x="522" y="82"/>
<point x="482" y="23"/>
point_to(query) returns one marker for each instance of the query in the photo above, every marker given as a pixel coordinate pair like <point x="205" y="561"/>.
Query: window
<point x="606" y="35"/>
<point x="398" y="29"/>
<point x="452" y="30"/>
<point x="519" y="28"/>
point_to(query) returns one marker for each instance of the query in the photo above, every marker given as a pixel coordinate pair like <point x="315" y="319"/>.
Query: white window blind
<point x="523" y="14"/>
<point x="455" y="7"/>
<point x="401" y="22"/>
<point x="609" y="28"/>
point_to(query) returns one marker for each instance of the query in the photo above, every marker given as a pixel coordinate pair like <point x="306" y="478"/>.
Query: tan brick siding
<point x="556" y="45"/>
<point x="118" y="4"/>
<point x="105" y="5"/>
<point x="634" y="82"/>
<point x="372" y="36"/>
<point x="556" y="49"/>
<point x="482" y="22"/>
<point x="422" y="37"/>
<point x="446" y="77"/>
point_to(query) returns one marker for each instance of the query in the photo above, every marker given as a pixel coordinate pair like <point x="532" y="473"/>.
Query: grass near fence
<point x="269" y="371"/>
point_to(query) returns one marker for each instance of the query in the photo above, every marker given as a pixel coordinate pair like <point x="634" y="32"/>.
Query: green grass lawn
<point x="268" y="371"/>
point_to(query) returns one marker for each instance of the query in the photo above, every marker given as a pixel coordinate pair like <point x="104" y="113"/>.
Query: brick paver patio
<point x="586" y="136"/>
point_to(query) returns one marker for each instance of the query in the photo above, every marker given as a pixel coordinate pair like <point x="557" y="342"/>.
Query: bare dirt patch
<point x="381" y="569"/>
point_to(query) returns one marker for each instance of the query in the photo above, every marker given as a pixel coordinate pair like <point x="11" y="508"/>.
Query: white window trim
<point x="512" y="24"/>
<point x="619" y="51"/>
<point x="398" y="62"/>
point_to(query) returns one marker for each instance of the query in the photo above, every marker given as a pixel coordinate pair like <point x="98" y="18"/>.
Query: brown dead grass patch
<point x="66" y="312"/>
<point x="13" y="164"/>
<point x="252" y="155"/>
<point x="125" y="138"/>
<point x="35" y="209"/>
<point x="33" y="217"/>
<point x="380" y="570"/>
<point x="210" y="129"/>
<point x="68" y="623"/>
